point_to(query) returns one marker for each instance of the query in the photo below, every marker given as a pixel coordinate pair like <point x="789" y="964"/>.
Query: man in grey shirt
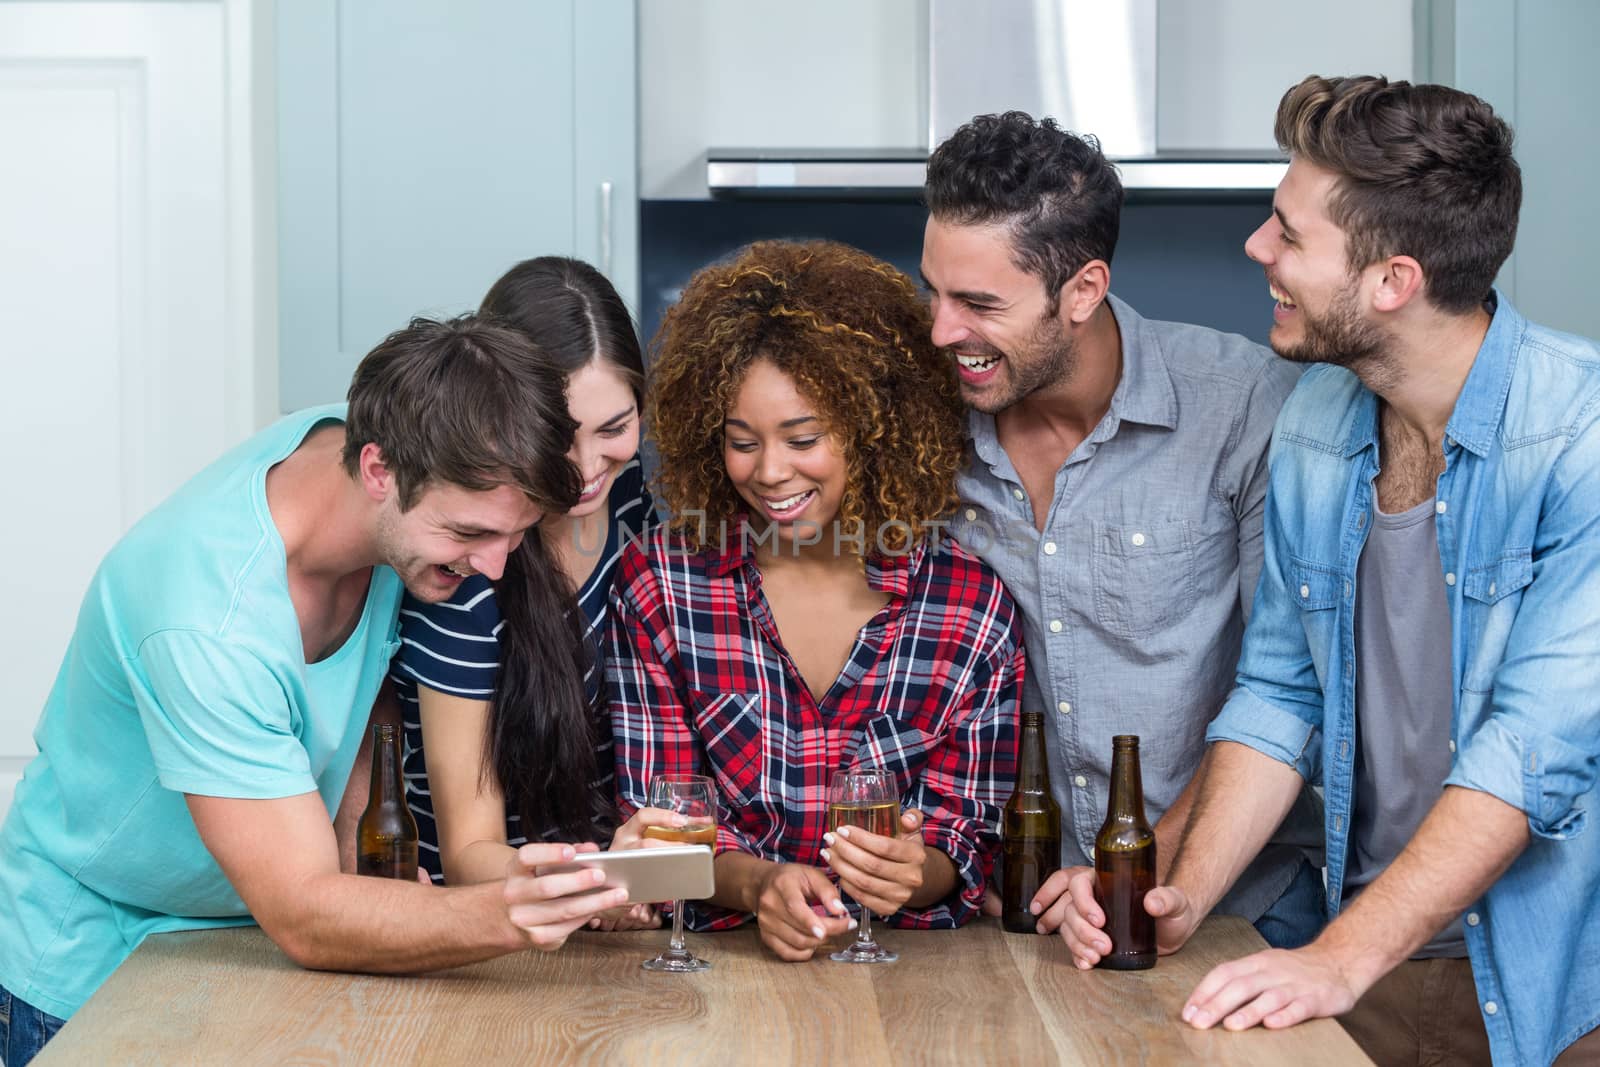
<point x="1115" y="481"/>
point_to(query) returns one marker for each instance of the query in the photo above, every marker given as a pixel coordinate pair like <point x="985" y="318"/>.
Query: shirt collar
<point x="886" y="573"/>
<point x="1482" y="402"/>
<point x="1144" y="394"/>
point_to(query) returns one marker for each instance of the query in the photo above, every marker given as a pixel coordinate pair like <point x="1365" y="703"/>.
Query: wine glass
<point x="695" y="796"/>
<point x="864" y="797"/>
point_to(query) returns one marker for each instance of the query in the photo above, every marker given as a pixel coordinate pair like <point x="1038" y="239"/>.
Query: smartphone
<point x="651" y="875"/>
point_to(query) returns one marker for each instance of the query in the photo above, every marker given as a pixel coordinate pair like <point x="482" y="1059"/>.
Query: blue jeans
<point x="23" y="1029"/>
<point x="1297" y="917"/>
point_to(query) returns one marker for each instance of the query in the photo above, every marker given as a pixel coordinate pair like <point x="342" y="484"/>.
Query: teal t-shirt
<point x="186" y="674"/>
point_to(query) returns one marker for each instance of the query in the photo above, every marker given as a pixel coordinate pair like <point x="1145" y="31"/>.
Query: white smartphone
<point x="652" y="875"/>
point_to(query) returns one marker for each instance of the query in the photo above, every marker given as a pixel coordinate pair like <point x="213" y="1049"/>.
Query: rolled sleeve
<point x="1248" y="720"/>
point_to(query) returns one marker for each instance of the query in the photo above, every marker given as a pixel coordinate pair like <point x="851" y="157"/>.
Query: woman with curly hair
<point x="801" y="615"/>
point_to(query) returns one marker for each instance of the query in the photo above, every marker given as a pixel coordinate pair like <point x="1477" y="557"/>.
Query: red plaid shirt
<point x="700" y="683"/>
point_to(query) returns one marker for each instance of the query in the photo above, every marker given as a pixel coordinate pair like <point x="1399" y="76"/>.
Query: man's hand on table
<point x="1066" y="904"/>
<point x="879" y="872"/>
<point x="1274" y="988"/>
<point x="789" y="923"/>
<point x="549" y="907"/>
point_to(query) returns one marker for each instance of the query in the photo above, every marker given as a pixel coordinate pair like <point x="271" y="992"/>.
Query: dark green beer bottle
<point x="1125" y="864"/>
<point x="1032" y="840"/>
<point x="386" y="835"/>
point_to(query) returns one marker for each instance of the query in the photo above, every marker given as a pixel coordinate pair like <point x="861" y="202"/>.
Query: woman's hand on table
<point x="789" y="923"/>
<point x="879" y="872"/>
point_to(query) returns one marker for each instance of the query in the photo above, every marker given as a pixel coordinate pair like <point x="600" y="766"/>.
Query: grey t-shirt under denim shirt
<point x="1404" y="694"/>
<point x="1135" y="595"/>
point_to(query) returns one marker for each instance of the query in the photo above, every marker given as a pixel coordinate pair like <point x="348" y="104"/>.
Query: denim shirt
<point x="1134" y="596"/>
<point x="1518" y="526"/>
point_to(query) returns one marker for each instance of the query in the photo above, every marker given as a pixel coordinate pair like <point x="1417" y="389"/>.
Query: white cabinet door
<point x="115" y="277"/>
<point x="425" y="147"/>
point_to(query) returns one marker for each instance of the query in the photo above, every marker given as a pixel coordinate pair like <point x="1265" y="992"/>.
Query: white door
<point x="125" y="364"/>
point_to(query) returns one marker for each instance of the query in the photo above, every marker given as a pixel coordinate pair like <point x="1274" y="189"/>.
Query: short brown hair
<point x="464" y="403"/>
<point x="1425" y="171"/>
<point x="856" y="338"/>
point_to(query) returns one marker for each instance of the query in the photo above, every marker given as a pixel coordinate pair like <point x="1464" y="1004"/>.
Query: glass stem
<point x="676" y="947"/>
<point x="864" y="935"/>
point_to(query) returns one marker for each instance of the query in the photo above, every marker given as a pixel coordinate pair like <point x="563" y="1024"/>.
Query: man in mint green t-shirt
<point x="215" y="694"/>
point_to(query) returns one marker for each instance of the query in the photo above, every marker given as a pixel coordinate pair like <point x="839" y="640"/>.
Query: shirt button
<point x="1017" y="493"/>
<point x="1491" y="589"/>
<point x="1452" y="745"/>
<point x="1450" y="579"/>
<point x="1305" y="592"/>
<point x="1080" y="781"/>
<point x="1055" y="626"/>
<point x="1472" y="918"/>
<point x="1347" y="587"/>
<point x="1049" y="548"/>
<point x="1138" y="540"/>
<point x="1361" y="520"/>
<point x="972" y="515"/>
<point x="1065" y="707"/>
<point x="1441" y="507"/>
<point x="1490" y="1007"/>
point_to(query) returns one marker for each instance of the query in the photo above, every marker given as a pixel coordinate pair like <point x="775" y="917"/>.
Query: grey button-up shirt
<point x="1135" y="595"/>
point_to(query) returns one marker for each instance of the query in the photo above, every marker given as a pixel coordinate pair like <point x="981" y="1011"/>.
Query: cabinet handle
<point x="605" y="228"/>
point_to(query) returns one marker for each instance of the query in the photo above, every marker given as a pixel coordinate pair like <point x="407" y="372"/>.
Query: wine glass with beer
<point x="866" y="797"/>
<point x="695" y="797"/>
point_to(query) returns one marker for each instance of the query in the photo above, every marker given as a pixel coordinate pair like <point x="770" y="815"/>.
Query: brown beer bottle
<point x="1125" y="864"/>
<point x="1032" y="840"/>
<point x="386" y="835"/>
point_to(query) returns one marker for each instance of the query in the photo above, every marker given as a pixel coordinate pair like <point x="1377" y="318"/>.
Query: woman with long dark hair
<point x="506" y="738"/>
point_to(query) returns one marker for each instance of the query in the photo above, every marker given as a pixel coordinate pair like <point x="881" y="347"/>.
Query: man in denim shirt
<point x="1115" y="482"/>
<point x="1457" y="750"/>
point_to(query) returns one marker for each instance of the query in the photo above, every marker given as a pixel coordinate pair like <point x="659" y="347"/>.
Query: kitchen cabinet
<point x="423" y="148"/>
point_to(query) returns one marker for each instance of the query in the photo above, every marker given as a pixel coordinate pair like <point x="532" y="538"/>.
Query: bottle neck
<point x="386" y="783"/>
<point x="1033" y="771"/>
<point x="1127" y="787"/>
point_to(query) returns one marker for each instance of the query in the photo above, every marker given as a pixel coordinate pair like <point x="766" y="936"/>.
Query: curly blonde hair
<point x="854" y="335"/>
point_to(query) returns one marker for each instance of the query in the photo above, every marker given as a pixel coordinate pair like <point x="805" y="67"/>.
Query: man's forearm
<point x="1460" y="850"/>
<point x="1169" y="828"/>
<point x="1240" y="797"/>
<point x="389" y="926"/>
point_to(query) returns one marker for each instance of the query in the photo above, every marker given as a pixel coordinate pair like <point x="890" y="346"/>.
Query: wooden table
<point x="976" y="995"/>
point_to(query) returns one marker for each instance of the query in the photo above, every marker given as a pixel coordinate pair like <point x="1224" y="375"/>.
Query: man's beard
<point x="1339" y="336"/>
<point x="1050" y="358"/>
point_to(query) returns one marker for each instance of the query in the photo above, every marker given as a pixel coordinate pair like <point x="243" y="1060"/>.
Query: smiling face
<point x="779" y="457"/>
<point x="993" y="317"/>
<point x="450" y="534"/>
<point x="1319" y="316"/>
<point x="602" y="402"/>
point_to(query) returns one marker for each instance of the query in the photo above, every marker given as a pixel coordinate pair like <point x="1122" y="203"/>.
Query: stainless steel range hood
<point x="1089" y="64"/>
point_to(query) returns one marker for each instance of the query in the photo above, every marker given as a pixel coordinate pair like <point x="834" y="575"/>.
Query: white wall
<point x="1223" y="64"/>
<point x="764" y="74"/>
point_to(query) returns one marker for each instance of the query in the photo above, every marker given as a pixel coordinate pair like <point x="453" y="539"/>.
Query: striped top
<point x="453" y="647"/>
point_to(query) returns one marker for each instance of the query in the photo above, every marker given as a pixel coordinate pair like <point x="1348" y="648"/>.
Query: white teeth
<point x="592" y="486"/>
<point x="1280" y="296"/>
<point x="459" y="574"/>
<point x="787" y="502"/>
<point x="977" y="362"/>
